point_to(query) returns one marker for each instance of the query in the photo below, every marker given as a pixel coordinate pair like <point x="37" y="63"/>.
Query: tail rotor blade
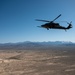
<point x="67" y="22"/>
<point x="70" y="22"/>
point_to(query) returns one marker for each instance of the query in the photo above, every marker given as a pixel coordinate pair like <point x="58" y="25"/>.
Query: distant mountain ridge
<point x="35" y="45"/>
<point x="54" y="42"/>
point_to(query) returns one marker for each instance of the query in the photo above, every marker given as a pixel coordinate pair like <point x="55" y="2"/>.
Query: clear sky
<point x="17" y="20"/>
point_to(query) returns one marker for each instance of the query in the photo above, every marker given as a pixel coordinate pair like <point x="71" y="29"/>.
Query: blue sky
<point x="17" y="20"/>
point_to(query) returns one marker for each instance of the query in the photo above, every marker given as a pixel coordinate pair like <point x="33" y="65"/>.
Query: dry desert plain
<point x="37" y="62"/>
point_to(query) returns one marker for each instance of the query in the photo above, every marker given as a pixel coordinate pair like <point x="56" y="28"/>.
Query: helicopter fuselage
<point x="53" y="26"/>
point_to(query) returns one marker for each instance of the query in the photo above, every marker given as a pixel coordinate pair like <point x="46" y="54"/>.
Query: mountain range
<point x="27" y="45"/>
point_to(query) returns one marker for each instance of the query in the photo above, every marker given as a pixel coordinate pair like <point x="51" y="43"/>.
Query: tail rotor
<point x="69" y="25"/>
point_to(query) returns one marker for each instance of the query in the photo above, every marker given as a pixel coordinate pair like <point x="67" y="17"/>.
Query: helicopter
<point x="53" y="25"/>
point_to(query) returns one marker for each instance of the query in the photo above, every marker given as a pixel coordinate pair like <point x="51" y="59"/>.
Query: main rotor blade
<point x="42" y="20"/>
<point x="57" y="17"/>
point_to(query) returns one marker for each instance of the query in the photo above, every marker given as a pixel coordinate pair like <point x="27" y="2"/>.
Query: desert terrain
<point x="37" y="62"/>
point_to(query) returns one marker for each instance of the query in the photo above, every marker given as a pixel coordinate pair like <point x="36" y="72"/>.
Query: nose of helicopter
<point x="42" y="26"/>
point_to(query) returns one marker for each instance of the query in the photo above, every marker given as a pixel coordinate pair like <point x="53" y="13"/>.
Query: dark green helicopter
<point x="53" y="25"/>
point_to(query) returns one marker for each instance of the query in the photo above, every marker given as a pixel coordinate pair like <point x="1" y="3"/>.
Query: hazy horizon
<point x="39" y="42"/>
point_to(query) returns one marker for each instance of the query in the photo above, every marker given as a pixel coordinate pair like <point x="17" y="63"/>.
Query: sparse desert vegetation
<point x="37" y="62"/>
